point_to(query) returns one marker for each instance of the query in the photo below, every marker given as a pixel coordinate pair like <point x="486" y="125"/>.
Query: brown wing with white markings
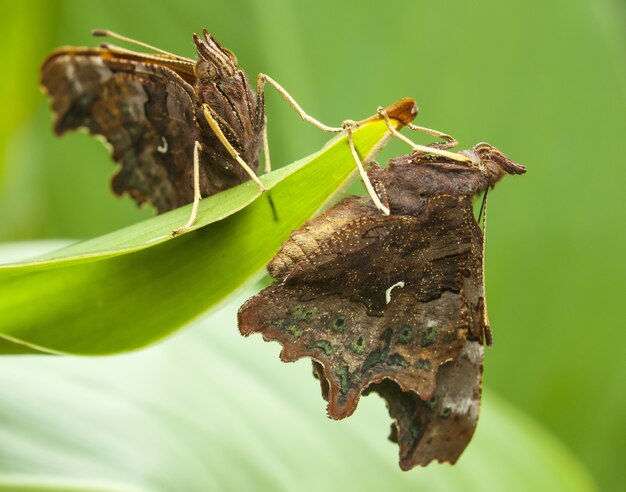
<point x="149" y="109"/>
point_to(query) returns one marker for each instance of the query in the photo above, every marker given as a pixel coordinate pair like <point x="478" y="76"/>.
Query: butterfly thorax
<point x="417" y="177"/>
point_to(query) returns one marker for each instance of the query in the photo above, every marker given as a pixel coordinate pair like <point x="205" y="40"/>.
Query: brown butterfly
<point x="393" y="304"/>
<point x="154" y="110"/>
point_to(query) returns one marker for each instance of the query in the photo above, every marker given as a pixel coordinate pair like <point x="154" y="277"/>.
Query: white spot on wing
<point x="461" y="404"/>
<point x="70" y="74"/>
<point x="388" y="291"/>
<point x="464" y="402"/>
<point x="474" y="352"/>
<point x="163" y="147"/>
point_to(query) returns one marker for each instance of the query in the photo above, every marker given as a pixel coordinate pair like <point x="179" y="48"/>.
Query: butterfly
<point x="155" y="111"/>
<point x="392" y="304"/>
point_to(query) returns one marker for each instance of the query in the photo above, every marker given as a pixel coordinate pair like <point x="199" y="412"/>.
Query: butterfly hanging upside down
<point x="180" y="128"/>
<point x="395" y="303"/>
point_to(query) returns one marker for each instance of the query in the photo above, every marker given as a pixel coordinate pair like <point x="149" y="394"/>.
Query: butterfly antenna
<point x="110" y="34"/>
<point x="483" y="213"/>
<point x="482" y="210"/>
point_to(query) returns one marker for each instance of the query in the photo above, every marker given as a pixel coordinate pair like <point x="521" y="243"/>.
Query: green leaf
<point x="210" y="410"/>
<point x="134" y="286"/>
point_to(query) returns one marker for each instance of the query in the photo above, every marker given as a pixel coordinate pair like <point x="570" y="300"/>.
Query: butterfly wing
<point x="146" y="108"/>
<point x="440" y="427"/>
<point x="388" y="304"/>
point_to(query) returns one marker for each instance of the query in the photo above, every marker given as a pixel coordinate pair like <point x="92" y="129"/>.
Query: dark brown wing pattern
<point x="149" y="109"/>
<point x="391" y="304"/>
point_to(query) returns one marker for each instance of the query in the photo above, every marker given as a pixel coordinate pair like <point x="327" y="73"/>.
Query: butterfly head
<point x="214" y="61"/>
<point x="494" y="164"/>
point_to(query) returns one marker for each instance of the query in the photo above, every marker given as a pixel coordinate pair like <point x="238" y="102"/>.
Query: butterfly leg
<point x="349" y="127"/>
<point x="196" y="192"/>
<point x="227" y="145"/>
<point x="266" y="148"/>
<point x="423" y="148"/>
<point x="449" y="143"/>
<point x="262" y="79"/>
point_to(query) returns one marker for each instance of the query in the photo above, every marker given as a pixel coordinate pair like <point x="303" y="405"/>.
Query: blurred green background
<point x="543" y="81"/>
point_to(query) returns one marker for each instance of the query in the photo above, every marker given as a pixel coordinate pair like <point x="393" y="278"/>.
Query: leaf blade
<point x="98" y="297"/>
